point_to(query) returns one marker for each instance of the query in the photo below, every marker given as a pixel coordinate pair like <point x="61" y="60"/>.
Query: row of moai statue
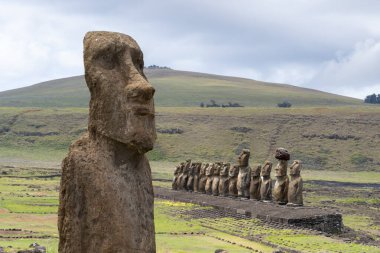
<point x="222" y="179"/>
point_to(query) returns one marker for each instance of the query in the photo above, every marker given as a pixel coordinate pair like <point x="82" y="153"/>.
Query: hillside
<point x="178" y="89"/>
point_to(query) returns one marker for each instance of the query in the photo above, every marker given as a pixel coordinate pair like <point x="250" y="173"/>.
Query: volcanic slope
<point x="178" y="89"/>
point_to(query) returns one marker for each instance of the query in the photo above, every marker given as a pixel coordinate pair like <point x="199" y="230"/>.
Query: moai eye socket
<point x="107" y="58"/>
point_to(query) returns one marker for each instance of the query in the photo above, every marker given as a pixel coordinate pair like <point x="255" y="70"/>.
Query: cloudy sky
<point x="323" y="44"/>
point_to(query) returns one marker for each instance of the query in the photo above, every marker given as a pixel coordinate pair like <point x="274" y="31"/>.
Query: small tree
<point x="284" y="104"/>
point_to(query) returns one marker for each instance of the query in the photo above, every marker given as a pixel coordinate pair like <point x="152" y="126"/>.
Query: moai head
<point x="202" y="171"/>
<point x="121" y="105"/>
<point x="210" y="169"/>
<point x="197" y="168"/>
<point x="266" y="169"/>
<point x="177" y="170"/>
<point x="295" y="168"/>
<point x="256" y="170"/>
<point x="282" y="154"/>
<point x="234" y="171"/>
<point x="244" y="157"/>
<point x="225" y="169"/>
<point x="217" y="168"/>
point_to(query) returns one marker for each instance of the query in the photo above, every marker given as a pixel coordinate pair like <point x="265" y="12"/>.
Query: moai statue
<point x="210" y="177"/>
<point x="295" y="184"/>
<point x="106" y="193"/>
<point x="196" y="176"/>
<point x="185" y="176"/>
<point x="223" y="181"/>
<point x="215" y="179"/>
<point x="280" y="190"/>
<point x="190" y="180"/>
<point x="203" y="178"/>
<point x="232" y="181"/>
<point x="244" y="175"/>
<point x="177" y="172"/>
<point x="266" y="182"/>
<point x="254" y="187"/>
<point x="179" y="179"/>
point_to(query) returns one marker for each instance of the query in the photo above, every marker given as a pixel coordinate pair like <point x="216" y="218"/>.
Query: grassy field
<point x="29" y="201"/>
<point x="178" y="89"/>
<point x="324" y="138"/>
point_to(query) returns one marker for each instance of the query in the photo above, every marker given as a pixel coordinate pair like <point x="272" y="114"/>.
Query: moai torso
<point x="209" y="176"/>
<point x="203" y="178"/>
<point x="266" y="182"/>
<point x="280" y="190"/>
<point x="244" y="175"/>
<point x="232" y="181"/>
<point x="215" y="179"/>
<point x="106" y="192"/>
<point x="254" y="187"/>
<point x="190" y="180"/>
<point x="223" y="180"/>
<point x="196" y="176"/>
<point x="295" y="185"/>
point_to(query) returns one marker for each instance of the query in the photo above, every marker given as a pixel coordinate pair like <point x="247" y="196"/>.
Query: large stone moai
<point x="177" y="172"/>
<point x="244" y="175"/>
<point x="210" y="177"/>
<point x="223" y="181"/>
<point x="216" y="178"/>
<point x="295" y="197"/>
<point x="203" y="178"/>
<point x="185" y="175"/>
<point x="266" y="182"/>
<point x="106" y="193"/>
<point x="197" y="169"/>
<point x="190" y="180"/>
<point x="254" y="186"/>
<point x="280" y="190"/>
<point x="232" y="181"/>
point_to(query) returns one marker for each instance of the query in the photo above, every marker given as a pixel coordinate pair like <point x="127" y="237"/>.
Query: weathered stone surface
<point x="244" y="176"/>
<point x="295" y="197"/>
<point x="216" y="178"/>
<point x="282" y="154"/>
<point x="203" y="178"/>
<point x="266" y="182"/>
<point x="232" y="181"/>
<point x="223" y="181"/>
<point x="190" y="180"/>
<point x="196" y="176"/>
<point x="280" y="189"/>
<point x="177" y="172"/>
<point x="185" y="175"/>
<point x="210" y="177"/>
<point x="106" y="193"/>
<point x="254" y="186"/>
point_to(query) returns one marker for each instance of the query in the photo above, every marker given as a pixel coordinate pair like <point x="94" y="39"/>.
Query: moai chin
<point x="295" y="197"/>
<point x="203" y="178"/>
<point x="177" y="172"/>
<point x="223" y="181"/>
<point x="210" y="177"/>
<point x="196" y="176"/>
<point x="266" y="182"/>
<point x="106" y="192"/>
<point x="232" y="181"/>
<point x="216" y="178"/>
<point x="185" y="176"/>
<point x="244" y="176"/>
<point x="280" y="190"/>
<point x="254" y="187"/>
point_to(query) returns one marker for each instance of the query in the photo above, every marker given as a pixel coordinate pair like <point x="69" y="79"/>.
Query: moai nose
<point x="141" y="90"/>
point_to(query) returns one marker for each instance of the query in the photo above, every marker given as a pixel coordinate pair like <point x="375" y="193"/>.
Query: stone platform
<point x="325" y="220"/>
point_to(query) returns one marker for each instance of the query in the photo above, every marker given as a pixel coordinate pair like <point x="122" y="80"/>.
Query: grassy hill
<point x="178" y="89"/>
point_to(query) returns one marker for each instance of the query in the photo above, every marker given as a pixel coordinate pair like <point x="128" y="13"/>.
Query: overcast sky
<point x="330" y="45"/>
